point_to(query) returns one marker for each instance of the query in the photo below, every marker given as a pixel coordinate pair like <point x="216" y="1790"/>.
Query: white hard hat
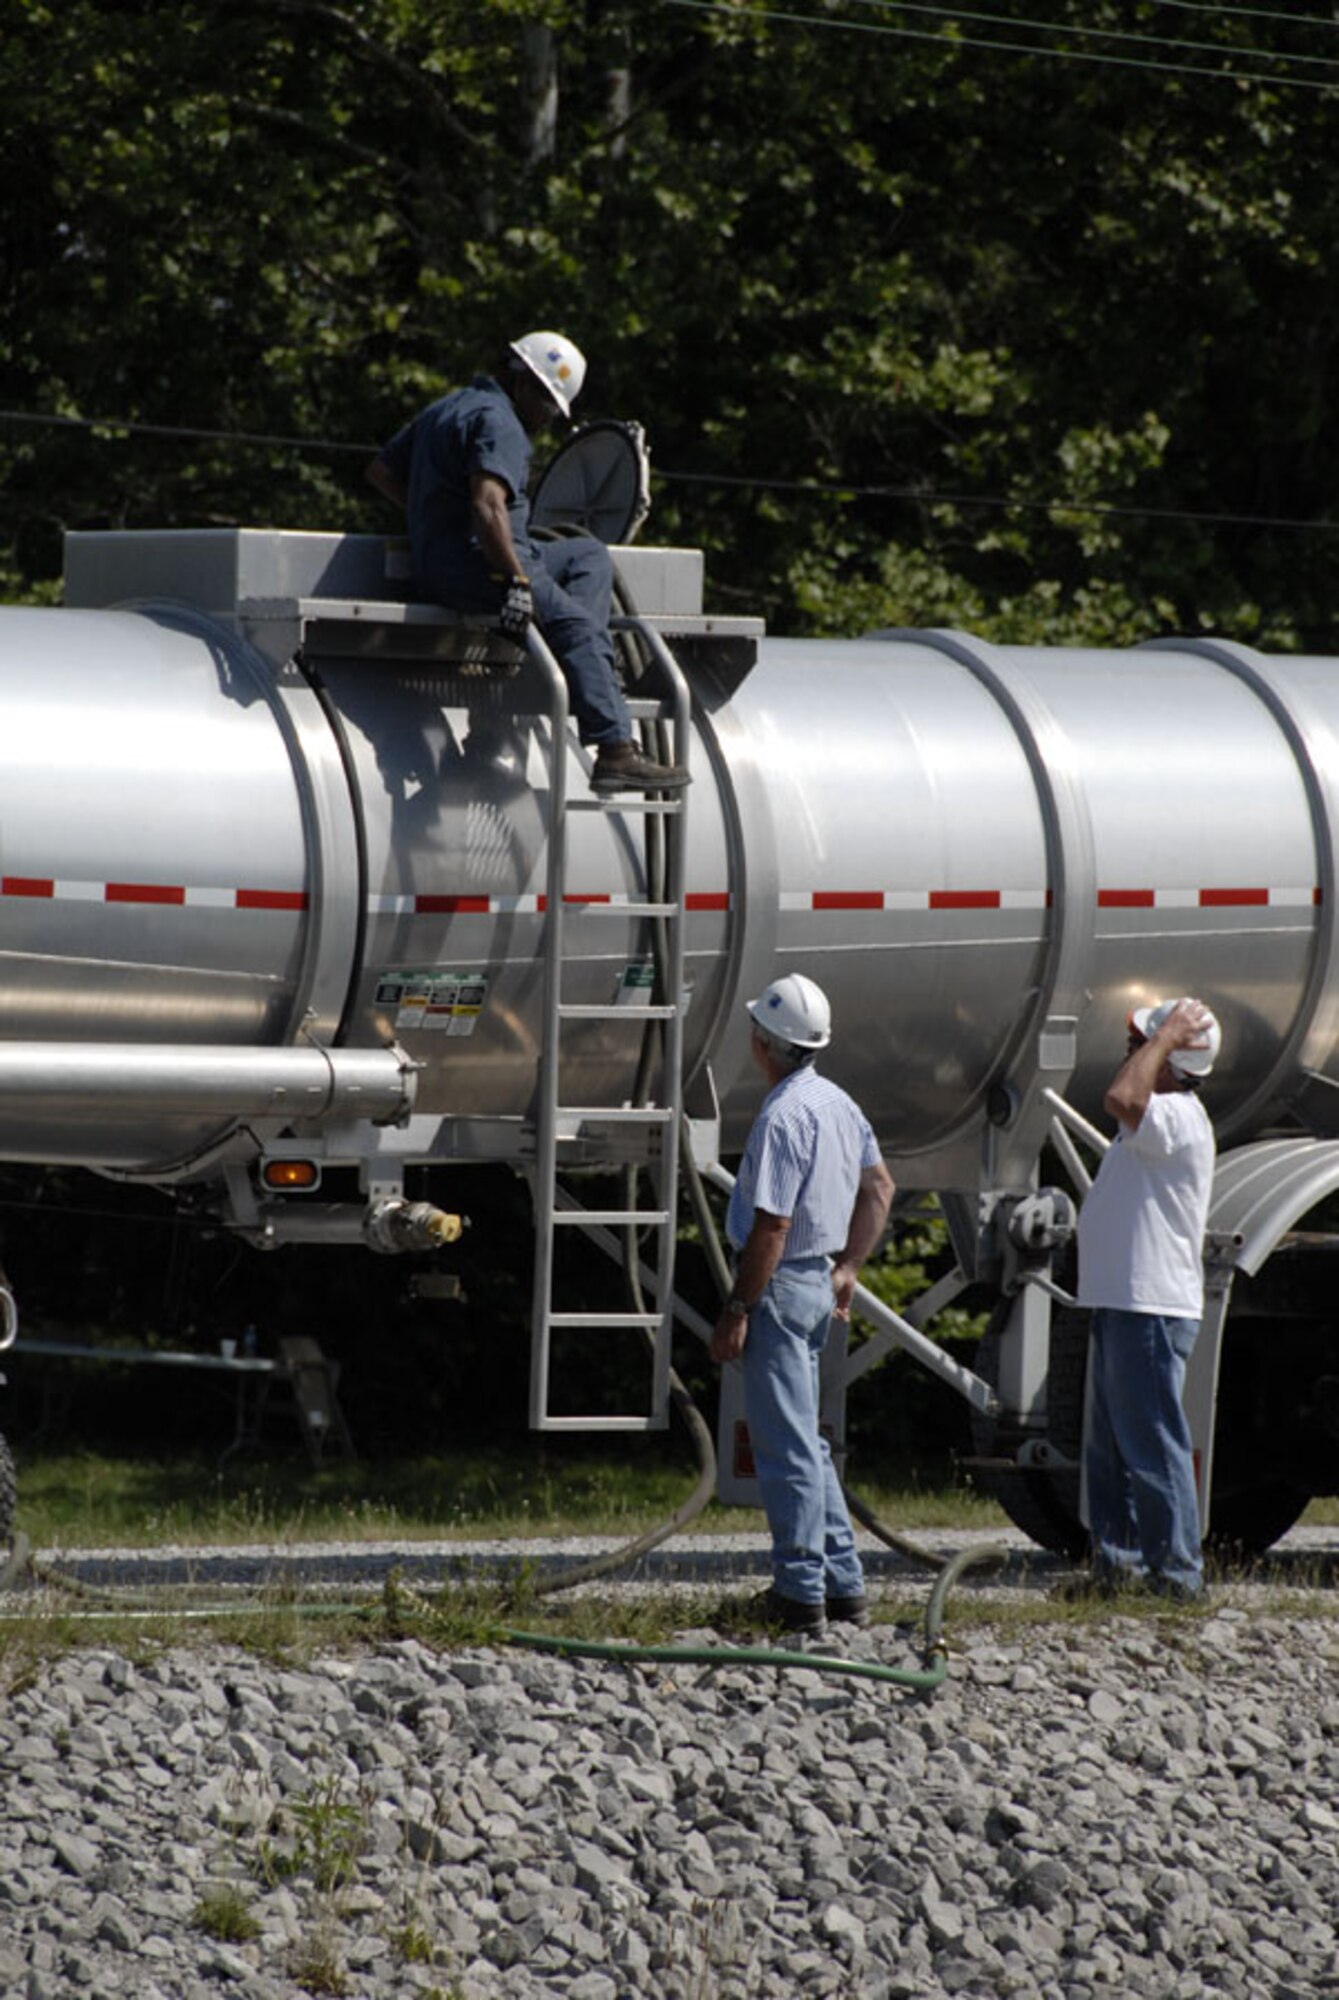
<point x="1186" y="1062"/>
<point x="560" y="366"/>
<point x="795" y="1011"/>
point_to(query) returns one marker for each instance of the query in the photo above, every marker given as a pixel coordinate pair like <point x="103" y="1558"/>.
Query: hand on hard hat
<point x="1187" y="1030"/>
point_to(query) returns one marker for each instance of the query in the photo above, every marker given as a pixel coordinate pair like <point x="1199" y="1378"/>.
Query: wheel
<point x="1045" y="1505"/>
<point x="1247" y="1520"/>
<point x="1248" y="1512"/>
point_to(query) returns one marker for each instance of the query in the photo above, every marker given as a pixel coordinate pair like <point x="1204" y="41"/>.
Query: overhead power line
<point x="1253" y="13"/>
<point x="924" y="496"/>
<point x="932" y="497"/>
<point x="952" y="14"/>
<point x="115" y="424"/>
<point x="1051" y="53"/>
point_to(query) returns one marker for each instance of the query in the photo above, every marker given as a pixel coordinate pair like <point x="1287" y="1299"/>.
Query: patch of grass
<point x="87" y="1500"/>
<point x="317" y="1967"/>
<point x="224" y="1912"/>
<point x="412" y="1944"/>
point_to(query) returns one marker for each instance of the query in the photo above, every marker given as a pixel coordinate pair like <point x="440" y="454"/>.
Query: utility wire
<point x="814" y="488"/>
<point x="1253" y="13"/>
<point x="176" y="431"/>
<point x="956" y="14"/>
<point x="931" y="497"/>
<point x="954" y="43"/>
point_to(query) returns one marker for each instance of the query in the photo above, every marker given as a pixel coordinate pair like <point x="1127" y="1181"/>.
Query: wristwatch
<point x="738" y="1308"/>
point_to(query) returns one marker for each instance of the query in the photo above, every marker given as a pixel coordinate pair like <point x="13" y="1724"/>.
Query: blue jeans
<point x="1142" y="1510"/>
<point x="813" y="1547"/>
<point x="571" y="582"/>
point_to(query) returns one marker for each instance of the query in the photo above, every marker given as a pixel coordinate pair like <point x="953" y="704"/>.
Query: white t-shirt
<point x="1141" y="1228"/>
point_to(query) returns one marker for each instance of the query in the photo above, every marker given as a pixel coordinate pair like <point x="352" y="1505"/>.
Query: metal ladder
<point x="596" y="1134"/>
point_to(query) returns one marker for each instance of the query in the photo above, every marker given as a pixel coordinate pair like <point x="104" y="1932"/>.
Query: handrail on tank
<point x="547" y="1095"/>
<point x="1065" y="1121"/>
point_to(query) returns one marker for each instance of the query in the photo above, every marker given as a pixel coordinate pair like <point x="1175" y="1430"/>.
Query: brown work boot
<point x="623" y="767"/>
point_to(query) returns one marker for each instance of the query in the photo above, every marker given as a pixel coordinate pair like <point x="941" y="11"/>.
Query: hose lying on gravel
<point x="398" y="1602"/>
<point x="923" y="1680"/>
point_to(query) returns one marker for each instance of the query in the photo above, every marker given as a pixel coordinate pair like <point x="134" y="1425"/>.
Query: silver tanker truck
<point x="302" y="887"/>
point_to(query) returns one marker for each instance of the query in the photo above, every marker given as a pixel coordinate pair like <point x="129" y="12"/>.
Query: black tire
<point x="1247" y="1515"/>
<point x="9" y="1496"/>
<point x="1249" y="1520"/>
<point x="1045" y="1505"/>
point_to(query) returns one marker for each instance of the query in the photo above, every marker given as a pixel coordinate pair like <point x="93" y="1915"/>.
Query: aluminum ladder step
<point x="580" y="1011"/>
<point x="609" y="1218"/>
<point x="668" y="803"/>
<point x="621" y="1114"/>
<point x="585" y="906"/>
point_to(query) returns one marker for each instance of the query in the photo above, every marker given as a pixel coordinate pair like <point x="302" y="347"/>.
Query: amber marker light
<point x="293" y="1176"/>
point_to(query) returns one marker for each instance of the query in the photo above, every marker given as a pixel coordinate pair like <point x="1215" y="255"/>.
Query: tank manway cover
<point x="598" y="483"/>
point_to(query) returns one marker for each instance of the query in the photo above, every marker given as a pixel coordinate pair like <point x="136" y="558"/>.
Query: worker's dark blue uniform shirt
<point x="476" y="430"/>
<point x="473" y="430"/>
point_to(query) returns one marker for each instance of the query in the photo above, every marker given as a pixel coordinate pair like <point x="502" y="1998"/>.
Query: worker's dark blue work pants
<point x="571" y="581"/>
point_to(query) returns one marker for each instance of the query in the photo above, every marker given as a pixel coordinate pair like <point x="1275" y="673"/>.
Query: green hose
<point x="944" y="1582"/>
<point x="924" y="1680"/>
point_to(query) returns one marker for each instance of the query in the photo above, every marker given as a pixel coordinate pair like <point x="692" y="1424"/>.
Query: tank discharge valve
<point x="395" y="1226"/>
<point x="1038" y="1225"/>
<point x="1042" y="1222"/>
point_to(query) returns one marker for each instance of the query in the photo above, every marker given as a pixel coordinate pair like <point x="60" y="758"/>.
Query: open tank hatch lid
<point x="598" y="483"/>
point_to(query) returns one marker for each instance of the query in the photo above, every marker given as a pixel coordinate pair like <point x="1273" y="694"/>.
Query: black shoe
<point x="847" y="1610"/>
<point x="623" y="767"/>
<point x="1175" y="1591"/>
<point x="788" y="1613"/>
<point x="1089" y="1587"/>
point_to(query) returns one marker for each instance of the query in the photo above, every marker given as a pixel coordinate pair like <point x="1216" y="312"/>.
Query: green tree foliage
<point x="922" y="328"/>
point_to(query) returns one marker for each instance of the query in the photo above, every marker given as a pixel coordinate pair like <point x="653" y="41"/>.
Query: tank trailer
<point x="302" y="888"/>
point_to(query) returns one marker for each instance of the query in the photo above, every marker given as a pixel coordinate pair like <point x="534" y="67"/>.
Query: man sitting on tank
<point x="460" y="470"/>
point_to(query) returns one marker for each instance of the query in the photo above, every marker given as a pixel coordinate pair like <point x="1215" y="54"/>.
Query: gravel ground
<point x="1123" y="1805"/>
<point x="688" y="1565"/>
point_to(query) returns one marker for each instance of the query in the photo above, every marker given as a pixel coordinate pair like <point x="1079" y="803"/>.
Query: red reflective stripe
<point x="964" y="899"/>
<point x="848" y="899"/>
<point x="588" y="899"/>
<point x="271" y="899"/>
<point x="27" y="885"/>
<point x="1213" y="899"/>
<point x="708" y="899"/>
<point x="143" y="892"/>
<point x="450" y="906"/>
<point x="1125" y="899"/>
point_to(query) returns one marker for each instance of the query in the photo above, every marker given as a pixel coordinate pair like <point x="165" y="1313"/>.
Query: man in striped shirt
<point x="808" y="1207"/>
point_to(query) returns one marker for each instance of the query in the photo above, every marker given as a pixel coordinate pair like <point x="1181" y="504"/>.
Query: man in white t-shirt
<point x="1141" y="1246"/>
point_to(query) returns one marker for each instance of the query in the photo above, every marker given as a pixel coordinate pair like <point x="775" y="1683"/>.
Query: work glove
<point x="518" y="608"/>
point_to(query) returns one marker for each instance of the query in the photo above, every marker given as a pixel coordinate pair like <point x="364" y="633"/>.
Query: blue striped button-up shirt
<point x="804" y="1158"/>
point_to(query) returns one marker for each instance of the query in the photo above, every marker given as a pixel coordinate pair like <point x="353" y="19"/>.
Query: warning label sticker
<point x="443" y="1003"/>
<point x="636" y="987"/>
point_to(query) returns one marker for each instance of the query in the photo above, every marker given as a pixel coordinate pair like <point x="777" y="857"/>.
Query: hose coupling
<point x="395" y="1225"/>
